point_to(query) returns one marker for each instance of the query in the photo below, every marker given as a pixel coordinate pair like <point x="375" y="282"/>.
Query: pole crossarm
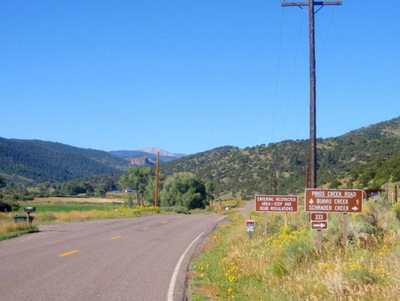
<point x="315" y="3"/>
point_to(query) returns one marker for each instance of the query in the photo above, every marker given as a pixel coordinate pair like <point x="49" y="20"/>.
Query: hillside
<point x="35" y="161"/>
<point x="252" y="170"/>
<point x="362" y="158"/>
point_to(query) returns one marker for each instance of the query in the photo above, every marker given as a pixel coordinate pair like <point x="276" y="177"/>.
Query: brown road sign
<point x="319" y="225"/>
<point x="334" y="200"/>
<point x="318" y="217"/>
<point x="276" y="203"/>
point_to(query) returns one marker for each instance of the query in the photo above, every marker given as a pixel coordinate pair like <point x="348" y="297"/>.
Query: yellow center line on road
<point x="145" y="228"/>
<point x="164" y="222"/>
<point x="69" y="253"/>
<point x="116" y="237"/>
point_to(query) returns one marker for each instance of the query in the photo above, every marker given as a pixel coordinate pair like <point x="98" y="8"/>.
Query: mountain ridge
<point x="249" y="170"/>
<point x="41" y="161"/>
<point x="252" y="170"/>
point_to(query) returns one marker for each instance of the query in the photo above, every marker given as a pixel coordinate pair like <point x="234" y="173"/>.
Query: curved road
<point x="250" y="205"/>
<point x="128" y="259"/>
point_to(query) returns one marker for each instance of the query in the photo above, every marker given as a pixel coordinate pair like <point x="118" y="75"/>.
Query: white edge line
<point x="172" y="283"/>
<point x="175" y="274"/>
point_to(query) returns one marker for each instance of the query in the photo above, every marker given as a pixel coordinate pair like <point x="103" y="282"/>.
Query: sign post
<point x="265" y="225"/>
<point x="319" y="222"/>
<point x="345" y="230"/>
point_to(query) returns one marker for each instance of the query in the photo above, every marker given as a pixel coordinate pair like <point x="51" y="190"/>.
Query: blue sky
<point x="189" y="76"/>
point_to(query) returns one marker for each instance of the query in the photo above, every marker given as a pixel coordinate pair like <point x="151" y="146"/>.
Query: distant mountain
<point x="34" y="161"/>
<point x="282" y="166"/>
<point x="163" y="153"/>
<point x="146" y="156"/>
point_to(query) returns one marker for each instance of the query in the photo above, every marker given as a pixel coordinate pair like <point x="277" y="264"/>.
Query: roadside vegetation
<point x="128" y="195"/>
<point x="286" y="265"/>
<point x="63" y="209"/>
<point x="60" y="210"/>
<point x="10" y="229"/>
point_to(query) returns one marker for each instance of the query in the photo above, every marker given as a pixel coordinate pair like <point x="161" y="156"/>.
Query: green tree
<point x="101" y="190"/>
<point x="2" y="182"/>
<point x="138" y="179"/>
<point x="184" y="190"/>
<point x="71" y="188"/>
<point x="334" y="183"/>
<point x="130" y="201"/>
<point x="210" y="190"/>
<point x="44" y="189"/>
<point x="89" y="189"/>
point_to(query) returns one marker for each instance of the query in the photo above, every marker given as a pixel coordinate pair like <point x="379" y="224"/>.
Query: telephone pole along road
<point x="127" y="259"/>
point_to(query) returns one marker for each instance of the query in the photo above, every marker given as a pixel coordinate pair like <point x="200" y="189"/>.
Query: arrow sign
<point x="319" y="225"/>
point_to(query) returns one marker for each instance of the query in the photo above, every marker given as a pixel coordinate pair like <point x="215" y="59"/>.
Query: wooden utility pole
<point x="157" y="173"/>
<point x="313" y="128"/>
<point x="312" y="167"/>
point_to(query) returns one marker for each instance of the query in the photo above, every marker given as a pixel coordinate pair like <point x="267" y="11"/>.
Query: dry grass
<point x="7" y="223"/>
<point x="9" y="229"/>
<point x="287" y="266"/>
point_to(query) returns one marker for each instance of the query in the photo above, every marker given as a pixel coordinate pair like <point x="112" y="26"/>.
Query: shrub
<point x="396" y="210"/>
<point x="5" y="207"/>
<point x="177" y="209"/>
<point x="292" y="247"/>
<point x="8" y="206"/>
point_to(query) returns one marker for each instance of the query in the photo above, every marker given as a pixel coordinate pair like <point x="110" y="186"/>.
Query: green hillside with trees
<point x="35" y="161"/>
<point x="365" y="154"/>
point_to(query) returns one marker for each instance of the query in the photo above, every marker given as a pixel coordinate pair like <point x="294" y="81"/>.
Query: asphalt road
<point x="250" y="205"/>
<point x="141" y="259"/>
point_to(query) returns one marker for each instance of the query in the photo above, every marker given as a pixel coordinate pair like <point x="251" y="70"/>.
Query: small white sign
<point x="250" y="224"/>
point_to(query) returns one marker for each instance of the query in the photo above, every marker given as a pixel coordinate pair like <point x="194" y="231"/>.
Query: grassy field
<point x="58" y="210"/>
<point x="286" y="265"/>
<point x="85" y="200"/>
<point x="68" y="207"/>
